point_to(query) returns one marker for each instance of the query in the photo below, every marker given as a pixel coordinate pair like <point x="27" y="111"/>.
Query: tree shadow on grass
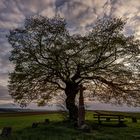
<point x="108" y="124"/>
<point x="58" y="130"/>
<point x="53" y="131"/>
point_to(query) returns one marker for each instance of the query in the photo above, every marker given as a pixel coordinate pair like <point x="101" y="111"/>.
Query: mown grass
<point x="21" y="122"/>
<point x="59" y="130"/>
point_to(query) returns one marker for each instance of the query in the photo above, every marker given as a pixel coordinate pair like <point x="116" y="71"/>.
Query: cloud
<point x="127" y="9"/>
<point x="79" y="14"/>
<point x="4" y="92"/>
<point x="12" y="15"/>
<point x="59" y="3"/>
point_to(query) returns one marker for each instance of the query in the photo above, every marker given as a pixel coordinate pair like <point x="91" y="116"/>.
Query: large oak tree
<point x="48" y="60"/>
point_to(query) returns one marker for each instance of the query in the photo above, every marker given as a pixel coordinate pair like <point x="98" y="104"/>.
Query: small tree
<point x="49" y="60"/>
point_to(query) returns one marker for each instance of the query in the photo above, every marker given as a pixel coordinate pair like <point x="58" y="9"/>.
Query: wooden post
<point x="81" y="109"/>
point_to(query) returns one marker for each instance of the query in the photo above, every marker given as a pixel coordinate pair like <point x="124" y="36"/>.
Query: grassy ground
<point x="58" y="130"/>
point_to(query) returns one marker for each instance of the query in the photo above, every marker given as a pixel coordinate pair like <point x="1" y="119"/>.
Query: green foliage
<point x="48" y="60"/>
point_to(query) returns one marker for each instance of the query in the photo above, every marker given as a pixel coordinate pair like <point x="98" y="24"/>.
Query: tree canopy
<point x="48" y="59"/>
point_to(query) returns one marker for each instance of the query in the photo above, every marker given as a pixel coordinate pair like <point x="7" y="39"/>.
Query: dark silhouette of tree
<point x="49" y="60"/>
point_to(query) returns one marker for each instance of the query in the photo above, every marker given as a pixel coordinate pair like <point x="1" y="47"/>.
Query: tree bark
<point x="71" y="91"/>
<point x="81" y="111"/>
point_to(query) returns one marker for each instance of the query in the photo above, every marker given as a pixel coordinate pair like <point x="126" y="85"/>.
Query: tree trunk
<point x="81" y="111"/>
<point x="71" y="91"/>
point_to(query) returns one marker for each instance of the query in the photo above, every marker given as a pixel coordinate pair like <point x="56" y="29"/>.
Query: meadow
<point x="58" y="129"/>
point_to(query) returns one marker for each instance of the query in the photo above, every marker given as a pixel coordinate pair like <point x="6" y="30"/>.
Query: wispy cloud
<point x="79" y="14"/>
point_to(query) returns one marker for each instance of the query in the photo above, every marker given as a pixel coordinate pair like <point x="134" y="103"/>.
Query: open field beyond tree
<point x="58" y="130"/>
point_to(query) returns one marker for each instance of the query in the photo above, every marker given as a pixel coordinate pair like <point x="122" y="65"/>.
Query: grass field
<point x="57" y="130"/>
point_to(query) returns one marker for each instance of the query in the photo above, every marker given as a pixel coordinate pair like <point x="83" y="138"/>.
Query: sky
<point x="79" y="14"/>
